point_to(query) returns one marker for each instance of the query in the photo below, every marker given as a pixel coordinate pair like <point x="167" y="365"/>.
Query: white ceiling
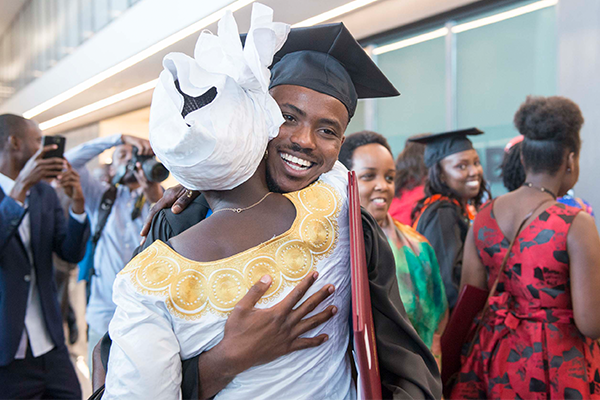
<point x="9" y="8"/>
<point x="374" y="18"/>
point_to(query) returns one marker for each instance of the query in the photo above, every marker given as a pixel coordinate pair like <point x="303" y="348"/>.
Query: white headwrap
<point x="220" y="145"/>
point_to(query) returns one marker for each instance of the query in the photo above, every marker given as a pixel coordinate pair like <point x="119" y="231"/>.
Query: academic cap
<point x="440" y="145"/>
<point x="327" y="59"/>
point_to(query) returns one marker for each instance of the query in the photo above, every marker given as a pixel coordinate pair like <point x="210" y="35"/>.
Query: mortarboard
<point x="327" y="59"/>
<point x="440" y="145"/>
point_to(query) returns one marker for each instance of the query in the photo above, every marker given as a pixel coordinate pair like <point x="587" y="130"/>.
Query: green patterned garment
<point x="420" y="282"/>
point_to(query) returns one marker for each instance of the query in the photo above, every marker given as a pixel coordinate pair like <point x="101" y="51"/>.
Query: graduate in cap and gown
<point x="454" y="189"/>
<point x="408" y="369"/>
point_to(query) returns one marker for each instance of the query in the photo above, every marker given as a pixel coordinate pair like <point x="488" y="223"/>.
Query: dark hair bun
<point x="548" y="118"/>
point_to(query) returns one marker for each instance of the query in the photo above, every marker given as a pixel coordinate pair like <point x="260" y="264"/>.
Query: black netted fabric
<point x="193" y="103"/>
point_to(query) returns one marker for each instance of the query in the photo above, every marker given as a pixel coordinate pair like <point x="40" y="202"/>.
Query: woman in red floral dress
<point x="537" y="340"/>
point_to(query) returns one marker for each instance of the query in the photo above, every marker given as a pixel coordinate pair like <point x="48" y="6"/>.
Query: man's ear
<point x="14" y="143"/>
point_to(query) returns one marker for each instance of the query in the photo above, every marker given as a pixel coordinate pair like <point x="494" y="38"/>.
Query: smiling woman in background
<point x="421" y="288"/>
<point x="454" y="190"/>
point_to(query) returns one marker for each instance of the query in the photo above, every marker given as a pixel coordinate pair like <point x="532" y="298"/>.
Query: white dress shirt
<point x="35" y="327"/>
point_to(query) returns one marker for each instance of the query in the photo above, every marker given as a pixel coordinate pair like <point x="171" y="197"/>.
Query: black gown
<point x="408" y="369"/>
<point x="445" y="227"/>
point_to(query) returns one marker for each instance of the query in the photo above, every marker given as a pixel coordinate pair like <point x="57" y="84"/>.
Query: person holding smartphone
<point x="34" y="361"/>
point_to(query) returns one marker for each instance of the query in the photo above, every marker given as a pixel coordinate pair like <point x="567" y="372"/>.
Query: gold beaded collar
<point x="192" y="288"/>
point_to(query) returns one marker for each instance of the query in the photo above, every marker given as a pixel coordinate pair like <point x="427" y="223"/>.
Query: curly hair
<point x="359" y="139"/>
<point x="511" y="169"/>
<point x="410" y="166"/>
<point x="435" y="185"/>
<point x="551" y="128"/>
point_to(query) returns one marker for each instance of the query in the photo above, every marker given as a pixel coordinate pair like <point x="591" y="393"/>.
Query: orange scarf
<point x="471" y="212"/>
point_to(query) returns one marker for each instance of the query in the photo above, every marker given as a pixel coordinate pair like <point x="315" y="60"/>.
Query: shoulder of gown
<point x="166" y="224"/>
<point x="445" y="209"/>
<point x="444" y="226"/>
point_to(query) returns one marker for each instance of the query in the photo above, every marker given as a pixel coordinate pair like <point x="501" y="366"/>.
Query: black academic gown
<point x="408" y="369"/>
<point x="445" y="227"/>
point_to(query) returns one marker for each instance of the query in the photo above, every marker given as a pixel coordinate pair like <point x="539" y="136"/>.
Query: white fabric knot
<point x="219" y="146"/>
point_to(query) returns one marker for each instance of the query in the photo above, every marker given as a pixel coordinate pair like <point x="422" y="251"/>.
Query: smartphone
<point x="57" y="140"/>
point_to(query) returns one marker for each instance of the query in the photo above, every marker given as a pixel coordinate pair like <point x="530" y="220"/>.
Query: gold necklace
<point x="239" y="210"/>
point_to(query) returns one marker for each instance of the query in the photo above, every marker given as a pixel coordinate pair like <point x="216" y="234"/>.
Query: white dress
<point x="170" y="308"/>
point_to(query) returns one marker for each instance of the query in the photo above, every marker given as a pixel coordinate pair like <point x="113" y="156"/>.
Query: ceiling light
<point x="80" y="112"/>
<point x="152" y="50"/>
<point x="504" y="15"/>
<point x="411" y="41"/>
<point x="155" y="48"/>
<point x="465" y="27"/>
<point x="6" y="90"/>
<point x="336" y="12"/>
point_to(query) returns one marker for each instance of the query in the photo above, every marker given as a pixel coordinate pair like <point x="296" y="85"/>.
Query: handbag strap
<point x="501" y="270"/>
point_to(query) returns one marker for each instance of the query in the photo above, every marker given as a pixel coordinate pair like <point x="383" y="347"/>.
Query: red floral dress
<point x="529" y="346"/>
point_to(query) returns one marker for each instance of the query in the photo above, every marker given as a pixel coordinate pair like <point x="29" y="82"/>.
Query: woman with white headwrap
<point x="211" y="120"/>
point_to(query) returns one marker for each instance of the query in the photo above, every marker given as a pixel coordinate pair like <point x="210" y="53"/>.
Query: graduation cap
<point x="327" y="59"/>
<point x="440" y="145"/>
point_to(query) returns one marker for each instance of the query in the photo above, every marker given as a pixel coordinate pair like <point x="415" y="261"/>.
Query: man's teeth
<point x="296" y="167"/>
<point x="378" y="201"/>
<point x="296" y="163"/>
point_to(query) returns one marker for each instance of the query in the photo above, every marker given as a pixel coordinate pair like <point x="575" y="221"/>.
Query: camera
<point x="153" y="170"/>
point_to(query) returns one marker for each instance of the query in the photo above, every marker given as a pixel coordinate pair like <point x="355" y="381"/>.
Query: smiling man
<point x="297" y="160"/>
<point x="317" y="78"/>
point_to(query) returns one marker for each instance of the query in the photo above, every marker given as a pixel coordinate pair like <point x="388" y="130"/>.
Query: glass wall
<point x="496" y="67"/>
<point x="418" y="72"/>
<point x="357" y="123"/>
<point x="45" y="31"/>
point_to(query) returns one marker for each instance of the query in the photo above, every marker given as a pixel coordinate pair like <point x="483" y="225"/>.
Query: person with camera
<point x="34" y="360"/>
<point x="117" y="212"/>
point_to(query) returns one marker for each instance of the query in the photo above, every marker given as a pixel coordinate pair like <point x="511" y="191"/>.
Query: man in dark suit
<point x="34" y="361"/>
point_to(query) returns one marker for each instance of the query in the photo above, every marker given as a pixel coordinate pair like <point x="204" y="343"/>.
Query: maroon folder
<point x="365" y="349"/>
<point x="470" y="303"/>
